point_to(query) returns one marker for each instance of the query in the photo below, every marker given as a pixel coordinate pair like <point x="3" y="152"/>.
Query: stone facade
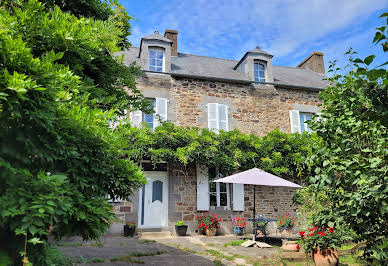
<point x="256" y="109"/>
<point x="253" y="109"/>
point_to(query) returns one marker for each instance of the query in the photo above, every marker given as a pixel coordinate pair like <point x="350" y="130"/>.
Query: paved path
<point x="121" y="246"/>
<point x="191" y="250"/>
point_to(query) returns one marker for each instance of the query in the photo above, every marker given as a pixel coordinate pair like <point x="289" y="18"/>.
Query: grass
<point x="75" y="244"/>
<point x="220" y="255"/>
<point x="97" y="260"/>
<point x="97" y="244"/>
<point x="146" y="241"/>
<point x="132" y="256"/>
<point x="235" y="243"/>
<point x="217" y="263"/>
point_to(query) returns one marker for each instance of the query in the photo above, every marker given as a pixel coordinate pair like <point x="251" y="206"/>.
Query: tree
<point x="59" y="158"/>
<point x="352" y="163"/>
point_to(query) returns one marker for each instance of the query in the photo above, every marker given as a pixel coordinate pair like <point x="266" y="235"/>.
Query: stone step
<point x="155" y="235"/>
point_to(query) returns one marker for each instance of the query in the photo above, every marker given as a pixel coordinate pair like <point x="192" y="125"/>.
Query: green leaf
<point x="35" y="241"/>
<point x="368" y="60"/>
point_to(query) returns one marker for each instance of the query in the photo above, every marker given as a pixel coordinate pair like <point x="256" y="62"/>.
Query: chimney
<point x="314" y="62"/>
<point x="173" y="36"/>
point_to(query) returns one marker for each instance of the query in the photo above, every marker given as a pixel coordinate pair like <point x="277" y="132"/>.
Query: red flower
<point x="282" y="216"/>
<point x="211" y="226"/>
<point x="214" y="214"/>
<point x="322" y="234"/>
<point x="312" y="229"/>
<point x="287" y="214"/>
<point x="311" y="234"/>
<point x="220" y="219"/>
<point x="205" y="226"/>
<point x="218" y="227"/>
<point x="301" y="233"/>
<point x="315" y="228"/>
<point x="281" y="222"/>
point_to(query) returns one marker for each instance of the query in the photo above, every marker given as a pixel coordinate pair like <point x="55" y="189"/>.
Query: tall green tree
<point x="59" y="158"/>
<point x="353" y="160"/>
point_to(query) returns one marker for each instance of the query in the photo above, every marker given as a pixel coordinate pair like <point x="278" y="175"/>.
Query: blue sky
<point x="288" y="29"/>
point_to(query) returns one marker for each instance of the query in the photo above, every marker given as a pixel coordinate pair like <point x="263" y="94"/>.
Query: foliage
<point x="208" y="222"/>
<point x="49" y="255"/>
<point x="179" y="223"/>
<point x="352" y="163"/>
<point x="58" y="157"/>
<point x="131" y="224"/>
<point x="238" y="221"/>
<point x="279" y="153"/>
<point x="321" y="238"/>
<point x="286" y="221"/>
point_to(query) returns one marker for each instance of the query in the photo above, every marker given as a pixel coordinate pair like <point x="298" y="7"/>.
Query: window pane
<point x="157" y="191"/>
<point x="302" y="120"/>
<point x="213" y="199"/>
<point x="256" y="67"/>
<point x="151" y="68"/>
<point x="261" y="67"/>
<point x="222" y="187"/>
<point x="152" y="54"/>
<point x="212" y="187"/>
<point x="160" y="55"/>
<point x="223" y="199"/>
<point x="159" y="62"/>
<point x="152" y="62"/>
<point x="160" y="69"/>
<point x="261" y="74"/>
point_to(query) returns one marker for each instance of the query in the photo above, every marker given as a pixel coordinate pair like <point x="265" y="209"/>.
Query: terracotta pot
<point x="290" y="246"/>
<point x="325" y="257"/>
<point x="286" y="232"/>
<point x="211" y="231"/>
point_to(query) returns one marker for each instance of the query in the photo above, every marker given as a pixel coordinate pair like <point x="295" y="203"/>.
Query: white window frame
<point x="305" y="126"/>
<point x="218" y="195"/>
<point x="258" y="78"/>
<point x="156" y="50"/>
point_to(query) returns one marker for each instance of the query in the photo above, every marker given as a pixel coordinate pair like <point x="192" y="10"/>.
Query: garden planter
<point x="129" y="231"/>
<point x="211" y="231"/>
<point x="181" y="230"/>
<point x="292" y="246"/>
<point x="286" y="232"/>
<point x="325" y="257"/>
<point x="238" y="230"/>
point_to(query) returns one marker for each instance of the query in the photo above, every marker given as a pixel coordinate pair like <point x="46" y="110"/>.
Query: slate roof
<point x="218" y="69"/>
<point x="156" y="36"/>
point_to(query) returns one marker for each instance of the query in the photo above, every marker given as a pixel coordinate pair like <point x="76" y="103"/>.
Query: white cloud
<point x="287" y="28"/>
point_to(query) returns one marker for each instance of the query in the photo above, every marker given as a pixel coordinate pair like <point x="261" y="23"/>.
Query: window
<point x="304" y="117"/>
<point x="149" y="118"/>
<point x="218" y="192"/>
<point x="218" y="117"/>
<point x="259" y="71"/>
<point x="155" y="59"/>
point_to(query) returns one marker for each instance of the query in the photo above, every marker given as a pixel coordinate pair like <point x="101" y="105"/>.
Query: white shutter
<point x="203" y="200"/>
<point x="212" y="116"/>
<point x="238" y="197"/>
<point x="223" y="114"/>
<point x="160" y="111"/>
<point x="295" y="121"/>
<point x="136" y="117"/>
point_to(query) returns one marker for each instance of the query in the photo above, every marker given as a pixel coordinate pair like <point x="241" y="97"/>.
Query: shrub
<point x="208" y="222"/>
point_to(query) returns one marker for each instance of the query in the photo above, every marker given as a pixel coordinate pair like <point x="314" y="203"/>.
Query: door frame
<point x="151" y="174"/>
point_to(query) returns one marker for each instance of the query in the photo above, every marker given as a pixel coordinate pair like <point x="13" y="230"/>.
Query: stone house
<point x="251" y="94"/>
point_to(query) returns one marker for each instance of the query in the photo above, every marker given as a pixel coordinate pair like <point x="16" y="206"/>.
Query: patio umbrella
<point x="255" y="177"/>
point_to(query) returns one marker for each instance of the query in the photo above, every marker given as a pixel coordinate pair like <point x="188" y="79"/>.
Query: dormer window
<point x="259" y="71"/>
<point x="156" y="59"/>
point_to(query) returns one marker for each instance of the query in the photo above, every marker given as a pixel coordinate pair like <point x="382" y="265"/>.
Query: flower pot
<point x="286" y="231"/>
<point x="292" y="246"/>
<point x="238" y="230"/>
<point x="211" y="231"/>
<point x="325" y="257"/>
<point x="181" y="230"/>
<point x="129" y="230"/>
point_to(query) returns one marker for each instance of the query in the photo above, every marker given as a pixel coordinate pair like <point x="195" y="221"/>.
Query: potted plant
<point x="286" y="223"/>
<point x="180" y="229"/>
<point x="239" y="225"/>
<point x="322" y="243"/>
<point x="208" y="224"/>
<point x="129" y="229"/>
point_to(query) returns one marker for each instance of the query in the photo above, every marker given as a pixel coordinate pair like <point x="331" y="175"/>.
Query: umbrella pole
<point x="254" y="213"/>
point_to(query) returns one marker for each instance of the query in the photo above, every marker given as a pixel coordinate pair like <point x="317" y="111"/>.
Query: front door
<point x="153" y="202"/>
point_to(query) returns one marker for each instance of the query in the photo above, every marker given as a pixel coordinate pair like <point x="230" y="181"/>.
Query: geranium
<point x="321" y="238"/>
<point x="206" y="221"/>
<point x="286" y="221"/>
<point x="237" y="221"/>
